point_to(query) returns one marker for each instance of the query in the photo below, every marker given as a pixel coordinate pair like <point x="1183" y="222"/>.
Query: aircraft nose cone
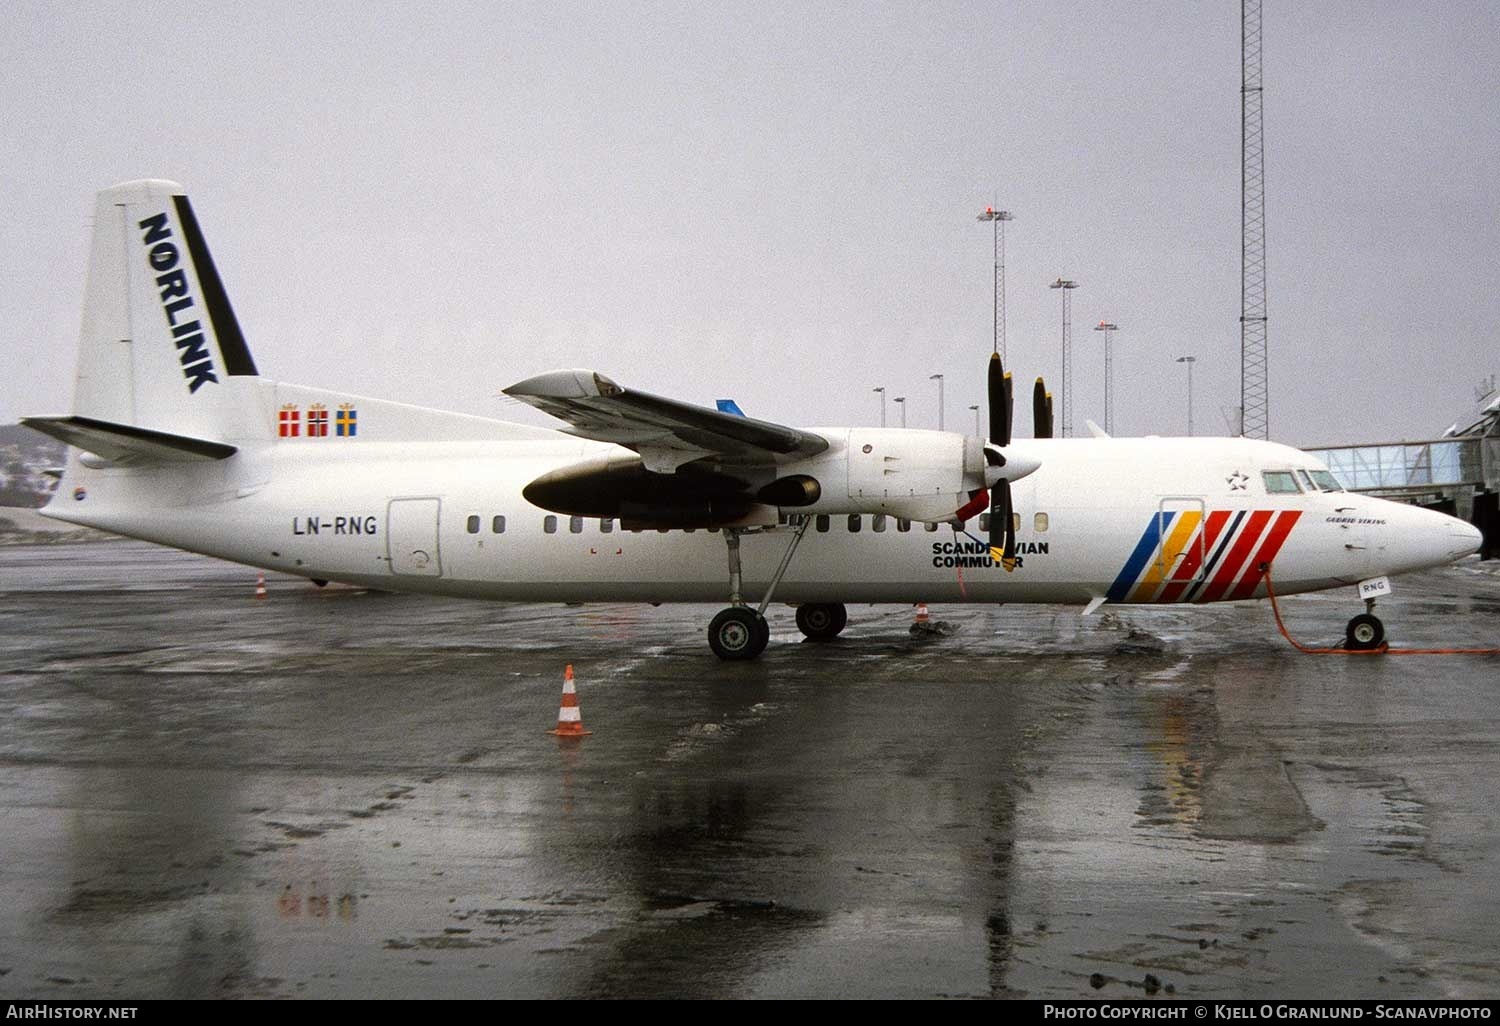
<point x="1466" y="538"/>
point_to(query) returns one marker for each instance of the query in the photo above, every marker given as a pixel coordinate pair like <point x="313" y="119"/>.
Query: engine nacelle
<point x="620" y="487"/>
<point x="918" y="475"/>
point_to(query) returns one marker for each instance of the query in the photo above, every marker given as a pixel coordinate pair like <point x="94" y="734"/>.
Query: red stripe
<point x="1236" y="556"/>
<point x="1196" y="554"/>
<point x="1268" y="550"/>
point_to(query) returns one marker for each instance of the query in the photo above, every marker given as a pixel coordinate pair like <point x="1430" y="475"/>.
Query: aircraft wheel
<point x="822" y="621"/>
<point x="763" y="635"/>
<point x="738" y="633"/>
<point x="1364" y="632"/>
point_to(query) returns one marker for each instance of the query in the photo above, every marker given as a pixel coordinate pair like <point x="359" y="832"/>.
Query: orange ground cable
<point x="1381" y="649"/>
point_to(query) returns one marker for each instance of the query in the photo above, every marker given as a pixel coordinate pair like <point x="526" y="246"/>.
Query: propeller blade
<point x="999" y="402"/>
<point x="1002" y="530"/>
<point x="1008" y="556"/>
<point x="1041" y="411"/>
<point x="1010" y="406"/>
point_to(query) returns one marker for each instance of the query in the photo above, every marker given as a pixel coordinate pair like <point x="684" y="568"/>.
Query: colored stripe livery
<point x="1185" y="556"/>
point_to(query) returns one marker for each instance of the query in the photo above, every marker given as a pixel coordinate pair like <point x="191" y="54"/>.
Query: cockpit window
<point x="1326" y="481"/>
<point x="1280" y="482"/>
<point x="1307" y="482"/>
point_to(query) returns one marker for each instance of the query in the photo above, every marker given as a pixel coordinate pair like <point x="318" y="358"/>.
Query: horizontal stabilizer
<point x="127" y="445"/>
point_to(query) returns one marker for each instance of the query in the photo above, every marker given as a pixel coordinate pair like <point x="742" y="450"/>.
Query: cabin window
<point x="473" y="524"/>
<point x="1280" y="482"/>
<point x="549" y="524"/>
<point x="930" y="527"/>
<point x="853" y="523"/>
<point x="903" y="525"/>
<point x="1015" y="523"/>
<point x="606" y="525"/>
<point x="821" y="523"/>
<point x="497" y="525"/>
<point x="575" y="525"/>
<point x="1039" y="522"/>
<point x="984" y="523"/>
<point x="877" y="522"/>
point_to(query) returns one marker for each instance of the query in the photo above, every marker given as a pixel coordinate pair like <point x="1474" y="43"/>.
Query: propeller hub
<point x="1009" y="465"/>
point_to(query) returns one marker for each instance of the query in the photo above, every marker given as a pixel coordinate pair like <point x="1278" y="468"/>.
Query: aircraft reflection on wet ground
<point x="335" y="793"/>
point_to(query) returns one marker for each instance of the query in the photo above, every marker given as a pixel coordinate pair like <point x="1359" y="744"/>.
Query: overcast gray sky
<point x="427" y="202"/>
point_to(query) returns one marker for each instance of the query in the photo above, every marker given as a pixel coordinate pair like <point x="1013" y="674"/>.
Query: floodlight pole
<point x="1109" y="396"/>
<point x="998" y="219"/>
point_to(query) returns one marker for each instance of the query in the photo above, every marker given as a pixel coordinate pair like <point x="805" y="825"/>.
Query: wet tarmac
<point x="341" y="794"/>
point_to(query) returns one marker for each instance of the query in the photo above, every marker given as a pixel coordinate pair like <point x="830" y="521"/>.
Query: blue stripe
<point x="1138" y="559"/>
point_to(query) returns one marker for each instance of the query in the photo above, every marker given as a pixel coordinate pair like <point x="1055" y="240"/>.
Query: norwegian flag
<point x="290" y="423"/>
<point x="317" y="422"/>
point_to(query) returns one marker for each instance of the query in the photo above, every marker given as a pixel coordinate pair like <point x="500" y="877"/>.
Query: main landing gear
<point x="740" y="632"/>
<point x="1365" y="631"/>
<point x="822" y="621"/>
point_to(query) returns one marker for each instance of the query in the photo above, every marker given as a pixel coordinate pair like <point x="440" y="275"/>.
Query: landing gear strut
<point x="1365" y="631"/>
<point x="822" y="621"/>
<point x="740" y="632"/>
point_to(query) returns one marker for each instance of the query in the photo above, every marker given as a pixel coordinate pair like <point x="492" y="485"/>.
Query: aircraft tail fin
<point x="161" y="354"/>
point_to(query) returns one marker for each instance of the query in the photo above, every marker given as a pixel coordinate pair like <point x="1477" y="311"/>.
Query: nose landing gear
<point x="1365" y="631"/>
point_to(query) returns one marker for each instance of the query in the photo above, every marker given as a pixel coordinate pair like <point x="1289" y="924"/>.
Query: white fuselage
<point x="178" y="439"/>
<point x="1131" y="520"/>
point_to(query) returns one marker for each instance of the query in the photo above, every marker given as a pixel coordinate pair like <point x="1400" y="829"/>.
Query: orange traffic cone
<point x="569" y="717"/>
<point x="922" y="616"/>
<point x="260" y="585"/>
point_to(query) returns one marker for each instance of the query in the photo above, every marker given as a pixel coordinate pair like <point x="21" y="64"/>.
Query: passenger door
<point x="1180" y="544"/>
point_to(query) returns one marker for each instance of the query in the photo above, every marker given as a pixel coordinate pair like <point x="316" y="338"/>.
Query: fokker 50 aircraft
<point x="178" y="439"/>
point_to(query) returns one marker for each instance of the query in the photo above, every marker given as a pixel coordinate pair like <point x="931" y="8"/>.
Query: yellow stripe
<point x="1176" y="545"/>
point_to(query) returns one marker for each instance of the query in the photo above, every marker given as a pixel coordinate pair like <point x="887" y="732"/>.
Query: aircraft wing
<point x="666" y="433"/>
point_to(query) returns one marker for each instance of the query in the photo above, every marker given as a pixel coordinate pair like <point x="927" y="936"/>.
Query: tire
<point x="738" y="633"/>
<point x="1364" y="632"/>
<point x="763" y="634"/>
<point x="822" y="621"/>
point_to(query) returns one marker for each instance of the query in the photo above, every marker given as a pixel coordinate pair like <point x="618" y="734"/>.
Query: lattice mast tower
<point x="1254" y="379"/>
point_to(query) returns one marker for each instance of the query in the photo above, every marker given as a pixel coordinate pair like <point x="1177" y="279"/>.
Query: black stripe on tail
<point x="237" y="358"/>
